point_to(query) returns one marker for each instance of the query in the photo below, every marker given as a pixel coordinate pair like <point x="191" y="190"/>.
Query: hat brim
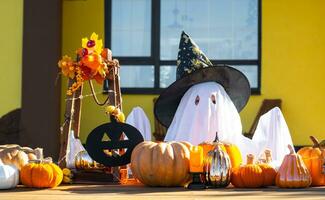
<point x="234" y="82"/>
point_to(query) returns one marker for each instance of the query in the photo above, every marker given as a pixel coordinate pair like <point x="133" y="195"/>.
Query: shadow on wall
<point x="10" y="127"/>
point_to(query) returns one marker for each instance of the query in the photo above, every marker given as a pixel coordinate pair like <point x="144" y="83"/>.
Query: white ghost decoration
<point x="272" y="133"/>
<point x="139" y="120"/>
<point x="206" y="109"/>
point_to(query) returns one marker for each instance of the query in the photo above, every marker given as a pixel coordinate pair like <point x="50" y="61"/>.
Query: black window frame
<point x="154" y="59"/>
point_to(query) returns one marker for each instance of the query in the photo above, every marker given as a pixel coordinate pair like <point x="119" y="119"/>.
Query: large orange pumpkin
<point x="231" y="149"/>
<point x="249" y="175"/>
<point x="314" y="159"/>
<point x="161" y="164"/>
<point x="293" y="173"/>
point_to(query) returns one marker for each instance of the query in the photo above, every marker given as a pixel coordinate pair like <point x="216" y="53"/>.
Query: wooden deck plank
<point x="97" y="192"/>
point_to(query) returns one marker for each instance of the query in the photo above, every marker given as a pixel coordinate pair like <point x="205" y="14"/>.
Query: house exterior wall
<point x="11" y="37"/>
<point x="293" y="62"/>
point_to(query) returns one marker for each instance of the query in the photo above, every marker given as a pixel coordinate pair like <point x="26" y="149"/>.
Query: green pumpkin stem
<point x="315" y="142"/>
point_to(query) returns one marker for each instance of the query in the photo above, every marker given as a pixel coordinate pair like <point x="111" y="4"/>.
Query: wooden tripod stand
<point x="74" y="104"/>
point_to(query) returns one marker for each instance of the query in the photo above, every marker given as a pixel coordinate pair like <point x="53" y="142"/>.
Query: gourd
<point x="293" y="173"/>
<point x="231" y="149"/>
<point x="314" y="159"/>
<point x="249" y="175"/>
<point x="9" y="176"/>
<point x="41" y="173"/>
<point x="67" y="176"/>
<point x="13" y="154"/>
<point x="161" y="164"/>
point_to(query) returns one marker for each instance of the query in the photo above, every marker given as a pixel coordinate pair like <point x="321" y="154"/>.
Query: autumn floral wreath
<point x="93" y="63"/>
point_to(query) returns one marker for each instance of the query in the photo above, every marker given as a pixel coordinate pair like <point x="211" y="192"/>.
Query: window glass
<point x="251" y="72"/>
<point x="167" y="75"/>
<point x="131" y="27"/>
<point x="137" y="76"/>
<point x="223" y="29"/>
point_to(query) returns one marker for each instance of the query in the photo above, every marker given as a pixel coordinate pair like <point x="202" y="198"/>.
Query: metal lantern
<point x="84" y="161"/>
<point x="217" y="168"/>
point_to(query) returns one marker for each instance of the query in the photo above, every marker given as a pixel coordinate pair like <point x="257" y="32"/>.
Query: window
<point x="144" y="36"/>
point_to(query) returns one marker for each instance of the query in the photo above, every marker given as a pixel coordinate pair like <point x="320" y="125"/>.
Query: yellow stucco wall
<point x="293" y="63"/>
<point x="11" y="21"/>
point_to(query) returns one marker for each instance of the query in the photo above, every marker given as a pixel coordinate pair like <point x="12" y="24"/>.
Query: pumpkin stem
<point x="315" y="141"/>
<point x="250" y="159"/>
<point x="39" y="153"/>
<point x="268" y="155"/>
<point x="216" y="139"/>
<point x="292" y="151"/>
<point x="48" y="160"/>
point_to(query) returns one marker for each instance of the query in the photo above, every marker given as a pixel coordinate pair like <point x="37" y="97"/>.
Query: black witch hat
<point x="194" y="67"/>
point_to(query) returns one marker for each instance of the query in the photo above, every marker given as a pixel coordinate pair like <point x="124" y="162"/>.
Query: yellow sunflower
<point x="93" y="44"/>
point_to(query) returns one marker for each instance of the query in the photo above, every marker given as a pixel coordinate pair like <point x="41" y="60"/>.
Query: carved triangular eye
<point x="197" y="100"/>
<point x="213" y="99"/>
<point x="123" y="135"/>
<point x="106" y="138"/>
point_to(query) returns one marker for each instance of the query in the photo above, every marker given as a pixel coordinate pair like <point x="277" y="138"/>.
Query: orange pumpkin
<point x="236" y="179"/>
<point x="161" y="164"/>
<point x="41" y="173"/>
<point x="314" y="159"/>
<point x="234" y="154"/>
<point x="254" y="175"/>
<point x="293" y="173"/>
<point x="269" y="172"/>
<point x="249" y="175"/>
<point x="231" y="149"/>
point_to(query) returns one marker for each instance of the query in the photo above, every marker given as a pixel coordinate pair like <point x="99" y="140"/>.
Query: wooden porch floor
<point x="109" y="192"/>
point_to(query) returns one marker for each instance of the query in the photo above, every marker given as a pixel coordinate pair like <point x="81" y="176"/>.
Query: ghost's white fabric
<point x="272" y="132"/>
<point x="199" y="123"/>
<point x="74" y="146"/>
<point x="139" y="120"/>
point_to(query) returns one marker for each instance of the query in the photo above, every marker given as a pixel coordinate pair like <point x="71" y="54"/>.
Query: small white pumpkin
<point x="9" y="176"/>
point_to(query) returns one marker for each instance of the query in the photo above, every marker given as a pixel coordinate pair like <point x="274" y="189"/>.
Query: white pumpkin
<point x="9" y="176"/>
